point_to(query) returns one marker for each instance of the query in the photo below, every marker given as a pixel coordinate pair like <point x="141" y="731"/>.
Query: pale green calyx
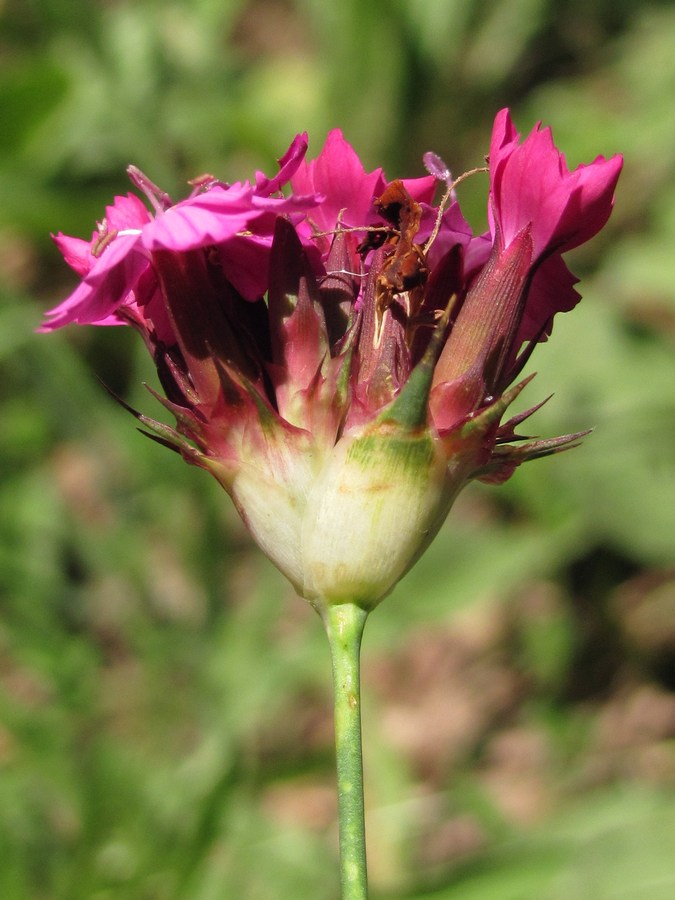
<point x="375" y="507"/>
<point x="347" y="525"/>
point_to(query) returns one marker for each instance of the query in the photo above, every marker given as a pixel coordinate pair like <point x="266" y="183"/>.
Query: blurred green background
<point x="165" y="726"/>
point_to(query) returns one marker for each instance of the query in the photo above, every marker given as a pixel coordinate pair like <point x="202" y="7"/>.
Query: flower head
<point x="340" y="355"/>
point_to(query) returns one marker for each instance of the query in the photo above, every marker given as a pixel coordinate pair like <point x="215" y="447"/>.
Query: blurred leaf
<point x="615" y="847"/>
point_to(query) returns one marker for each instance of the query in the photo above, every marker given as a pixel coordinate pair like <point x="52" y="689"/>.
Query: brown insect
<point x="406" y="268"/>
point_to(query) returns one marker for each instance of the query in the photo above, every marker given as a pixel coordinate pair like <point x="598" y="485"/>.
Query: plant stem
<point x="344" y="625"/>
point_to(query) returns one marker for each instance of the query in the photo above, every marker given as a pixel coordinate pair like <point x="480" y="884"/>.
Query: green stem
<point x="344" y="625"/>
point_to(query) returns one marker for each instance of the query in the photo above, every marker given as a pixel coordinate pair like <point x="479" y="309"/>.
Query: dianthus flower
<point x="335" y="348"/>
<point x="340" y="352"/>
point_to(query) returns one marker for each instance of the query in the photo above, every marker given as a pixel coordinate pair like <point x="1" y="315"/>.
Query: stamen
<point x="332" y="272"/>
<point x="202" y="180"/>
<point x="104" y="239"/>
<point x="449" y="193"/>
<point x="468" y="174"/>
<point x="354" y="230"/>
<point x="436" y="166"/>
<point x="159" y="199"/>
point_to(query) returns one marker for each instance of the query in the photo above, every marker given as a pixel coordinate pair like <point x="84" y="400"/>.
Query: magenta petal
<point x="85" y="306"/>
<point x="207" y="218"/>
<point x="245" y="264"/>
<point x="552" y="291"/>
<point x="525" y="189"/>
<point x="107" y="286"/>
<point x="421" y="189"/>
<point x="122" y="255"/>
<point x="590" y="201"/>
<point x="338" y="174"/>
<point x="214" y="217"/>
<point x="504" y="141"/>
<point x="70" y="309"/>
<point x="288" y="165"/>
<point x="531" y="184"/>
<point x="126" y="213"/>
<point x="477" y="254"/>
<point x="76" y="252"/>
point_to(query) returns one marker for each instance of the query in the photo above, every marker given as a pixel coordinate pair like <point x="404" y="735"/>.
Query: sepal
<point x="506" y="458"/>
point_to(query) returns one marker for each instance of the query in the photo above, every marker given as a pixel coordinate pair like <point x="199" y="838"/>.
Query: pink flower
<point x="530" y="184"/>
<point x="339" y="356"/>
<point x="337" y="174"/>
<point x="116" y="267"/>
<point x="110" y="265"/>
<point x="537" y="210"/>
<point x="348" y="191"/>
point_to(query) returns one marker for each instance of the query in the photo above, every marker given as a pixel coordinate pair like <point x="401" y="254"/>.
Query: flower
<point x="538" y="210"/>
<point x="118" y="279"/>
<point x="340" y="356"/>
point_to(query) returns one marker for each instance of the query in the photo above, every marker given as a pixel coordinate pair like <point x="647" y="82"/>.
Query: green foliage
<point x="164" y="715"/>
<point x="615" y="846"/>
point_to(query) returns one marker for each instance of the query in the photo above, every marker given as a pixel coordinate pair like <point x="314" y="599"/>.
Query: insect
<point x="405" y="268"/>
